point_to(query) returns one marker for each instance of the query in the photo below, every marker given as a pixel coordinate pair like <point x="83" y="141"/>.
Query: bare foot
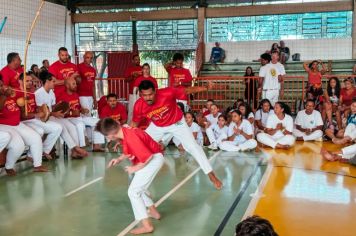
<point x="47" y="156"/>
<point x="10" y="172"/>
<point x="339" y="141"/>
<point x="40" y="169"/>
<point x="327" y="155"/>
<point x="281" y="146"/>
<point x="98" y="148"/>
<point x="299" y="139"/>
<point x="145" y="228"/>
<point x="154" y="213"/>
<point x="217" y="183"/>
<point x="80" y="151"/>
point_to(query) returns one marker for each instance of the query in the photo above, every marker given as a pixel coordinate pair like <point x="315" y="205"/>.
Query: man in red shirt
<point x="167" y="120"/>
<point x="11" y="72"/>
<point x="78" y="116"/>
<point x="179" y="77"/>
<point x="20" y="133"/>
<point x="32" y="120"/>
<point x="62" y="70"/>
<point x="147" y="159"/>
<point x="86" y="87"/>
<point x="131" y="73"/>
<point x="114" y="109"/>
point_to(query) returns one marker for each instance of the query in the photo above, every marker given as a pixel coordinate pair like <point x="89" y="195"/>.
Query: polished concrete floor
<point x="299" y="193"/>
<point x="54" y="204"/>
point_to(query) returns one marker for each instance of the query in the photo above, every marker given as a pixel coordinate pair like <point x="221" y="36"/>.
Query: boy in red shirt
<point x="11" y="72"/>
<point x="179" y="77"/>
<point x="147" y="159"/>
<point x="113" y="109"/>
<point x="62" y="70"/>
<point x="86" y="87"/>
<point x="167" y="121"/>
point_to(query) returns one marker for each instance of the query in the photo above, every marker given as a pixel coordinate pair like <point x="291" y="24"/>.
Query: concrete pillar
<point x="134" y="37"/>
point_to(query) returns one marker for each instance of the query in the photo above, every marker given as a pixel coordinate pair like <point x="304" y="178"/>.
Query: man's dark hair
<point x="146" y="64"/>
<point x="210" y="100"/>
<point x="33" y="66"/>
<point x="135" y="55"/>
<point x="222" y="116"/>
<point x="145" y="85"/>
<point x="62" y="49"/>
<point x="45" y="76"/>
<point x="44" y="61"/>
<point x="11" y="56"/>
<point x="310" y="100"/>
<point x="255" y="226"/>
<point x="111" y="95"/>
<point x="106" y="126"/>
<point x="178" y="56"/>
<point x="266" y="56"/>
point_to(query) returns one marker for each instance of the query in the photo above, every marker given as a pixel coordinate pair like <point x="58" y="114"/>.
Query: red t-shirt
<point x="88" y="74"/>
<point x="31" y="103"/>
<point x="118" y="113"/>
<point x="142" y="78"/>
<point x="10" y="113"/>
<point x="139" y="144"/>
<point x="129" y="71"/>
<point x="62" y="71"/>
<point x="10" y="77"/>
<point x="314" y="78"/>
<point x="205" y="113"/>
<point x="72" y="99"/>
<point x="164" y="111"/>
<point x="177" y="76"/>
<point x="347" y="98"/>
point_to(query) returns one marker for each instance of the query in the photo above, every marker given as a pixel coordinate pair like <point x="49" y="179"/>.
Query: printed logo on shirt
<point x="11" y="105"/>
<point x="178" y="78"/>
<point x="157" y="114"/>
<point x="90" y="76"/>
<point x="74" y="105"/>
<point x="66" y="72"/>
<point x="273" y="72"/>
<point x="31" y="105"/>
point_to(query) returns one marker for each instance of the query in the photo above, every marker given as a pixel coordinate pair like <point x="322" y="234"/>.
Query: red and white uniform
<point x="168" y="122"/>
<point x="52" y="129"/>
<point x="21" y="134"/>
<point x="143" y="149"/>
<point x="132" y="97"/>
<point x="81" y="122"/>
<point x="62" y="71"/>
<point x="11" y="77"/>
<point x="86" y="87"/>
<point x="118" y="113"/>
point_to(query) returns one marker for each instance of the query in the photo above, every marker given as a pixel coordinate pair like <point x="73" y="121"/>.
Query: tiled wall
<point x="48" y="34"/>
<point x="309" y="49"/>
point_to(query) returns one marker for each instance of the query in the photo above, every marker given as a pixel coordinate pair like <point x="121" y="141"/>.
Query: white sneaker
<point x="213" y="146"/>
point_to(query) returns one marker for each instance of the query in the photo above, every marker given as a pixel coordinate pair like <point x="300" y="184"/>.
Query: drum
<point x="62" y="107"/>
<point x="45" y="113"/>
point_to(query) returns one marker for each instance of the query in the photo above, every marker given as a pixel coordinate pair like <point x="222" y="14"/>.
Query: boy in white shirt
<point x="279" y="128"/>
<point x="217" y="133"/>
<point x="308" y="124"/>
<point x="271" y="82"/>
<point x="240" y="135"/>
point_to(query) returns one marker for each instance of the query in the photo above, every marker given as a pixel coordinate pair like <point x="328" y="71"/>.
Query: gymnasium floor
<point x="297" y="191"/>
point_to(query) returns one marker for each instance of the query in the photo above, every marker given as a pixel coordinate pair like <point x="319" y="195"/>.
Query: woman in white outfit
<point x="279" y="128"/>
<point x="240" y="135"/>
<point x="217" y="133"/>
<point x="264" y="110"/>
<point x="194" y="127"/>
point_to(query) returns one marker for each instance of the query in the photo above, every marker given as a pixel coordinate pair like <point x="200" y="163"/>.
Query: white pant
<point x="69" y="132"/>
<point x="232" y="146"/>
<point x="271" y="141"/>
<point x="87" y="102"/>
<point x="80" y="123"/>
<point x="176" y="142"/>
<point x="272" y="95"/>
<point x="349" y="151"/>
<point x="15" y="147"/>
<point x="350" y="131"/>
<point x="182" y="132"/>
<point x="30" y="138"/>
<point x="317" y="134"/>
<point x="212" y="139"/>
<point x="5" y="138"/>
<point x="52" y="129"/>
<point x="138" y="189"/>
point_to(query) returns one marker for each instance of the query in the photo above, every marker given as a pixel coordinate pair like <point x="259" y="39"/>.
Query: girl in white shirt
<point x="194" y="127"/>
<point x="240" y="135"/>
<point x="247" y="113"/>
<point x="279" y="128"/>
<point x="217" y="133"/>
<point x="265" y="109"/>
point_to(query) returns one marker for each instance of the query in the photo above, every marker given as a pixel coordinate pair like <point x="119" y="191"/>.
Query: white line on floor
<point x="167" y="195"/>
<point x="83" y="186"/>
